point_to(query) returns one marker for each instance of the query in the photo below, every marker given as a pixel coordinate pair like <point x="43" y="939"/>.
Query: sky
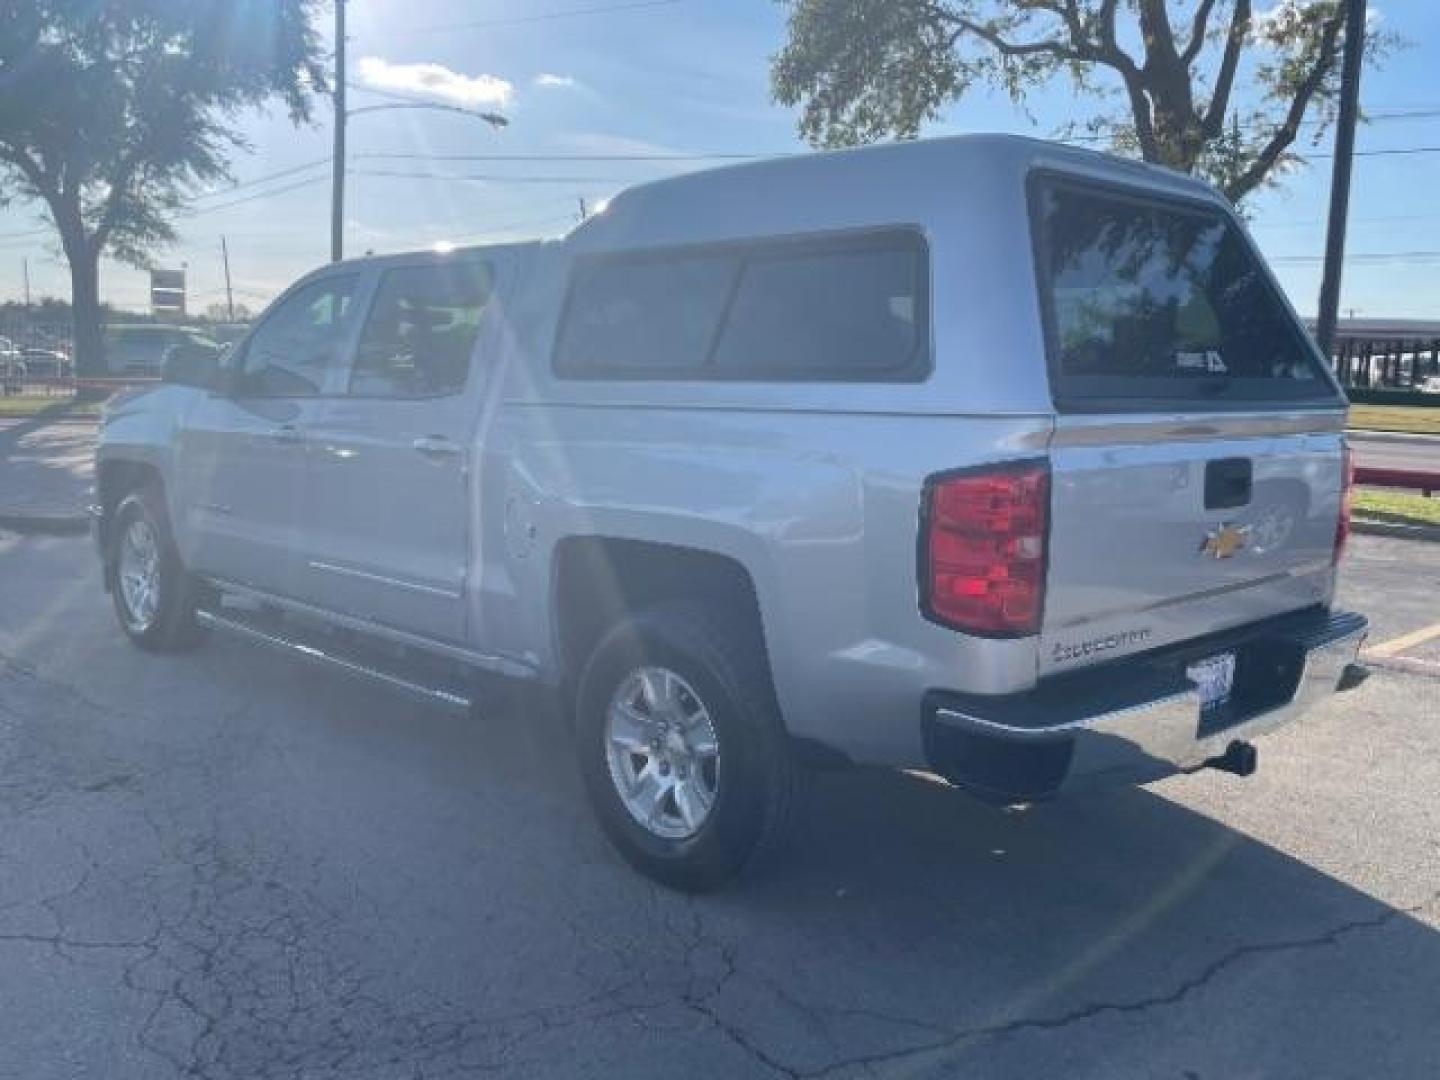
<point x="680" y="79"/>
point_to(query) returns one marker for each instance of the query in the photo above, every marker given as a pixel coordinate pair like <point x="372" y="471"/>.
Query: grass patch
<point x="24" y="405"/>
<point x="1397" y="506"/>
<point x="1412" y="418"/>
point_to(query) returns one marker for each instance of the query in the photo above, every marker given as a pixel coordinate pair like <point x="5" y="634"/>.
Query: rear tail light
<point x="983" y="538"/>
<point x="1347" y="497"/>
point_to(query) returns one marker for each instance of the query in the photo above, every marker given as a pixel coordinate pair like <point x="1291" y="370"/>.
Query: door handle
<point x="436" y="447"/>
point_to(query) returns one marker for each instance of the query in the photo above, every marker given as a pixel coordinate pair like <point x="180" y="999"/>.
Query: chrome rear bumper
<point x="1001" y="753"/>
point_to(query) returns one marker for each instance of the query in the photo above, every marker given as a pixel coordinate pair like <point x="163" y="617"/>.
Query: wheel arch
<point x="597" y="579"/>
<point x="115" y="478"/>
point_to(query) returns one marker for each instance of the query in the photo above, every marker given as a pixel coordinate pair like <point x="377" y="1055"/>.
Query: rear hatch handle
<point x="1228" y="483"/>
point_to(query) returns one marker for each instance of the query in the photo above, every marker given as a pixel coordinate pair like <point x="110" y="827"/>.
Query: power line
<point x="1363" y="256"/>
<point x="545" y="16"/>
<point x="492" y="178"/>
<point x="1389" y="152"/>
<point x="254" y="180"/>
<point x="283" y="189"/>
<point x="397" y="155"/>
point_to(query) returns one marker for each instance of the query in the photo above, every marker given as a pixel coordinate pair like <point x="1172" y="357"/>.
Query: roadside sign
<point x="167" y="292"/>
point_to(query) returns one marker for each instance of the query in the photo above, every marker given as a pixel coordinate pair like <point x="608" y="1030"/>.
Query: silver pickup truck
<point x="983" y="456"/>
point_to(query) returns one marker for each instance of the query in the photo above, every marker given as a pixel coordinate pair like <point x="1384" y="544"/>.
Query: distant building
<point x="1385" y="353"/>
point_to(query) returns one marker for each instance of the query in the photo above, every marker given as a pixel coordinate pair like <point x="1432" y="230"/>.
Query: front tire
<point x="155" y="596"/>
<point x="682" y="749"/>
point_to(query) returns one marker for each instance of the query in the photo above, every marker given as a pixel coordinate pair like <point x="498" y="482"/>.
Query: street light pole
<point x="337" y="183"/>
<point x="1340" y="177"/>
<point x="342" y="115"/>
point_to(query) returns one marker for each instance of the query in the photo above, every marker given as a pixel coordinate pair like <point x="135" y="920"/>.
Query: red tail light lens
<point x="1347" y="497"/>
<point x="983" y="554"/>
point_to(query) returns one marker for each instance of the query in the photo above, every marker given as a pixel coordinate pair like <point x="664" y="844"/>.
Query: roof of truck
<point x="841" y="188"/>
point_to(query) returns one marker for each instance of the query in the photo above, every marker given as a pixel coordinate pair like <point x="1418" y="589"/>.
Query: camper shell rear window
<point x="1160" y="302"/>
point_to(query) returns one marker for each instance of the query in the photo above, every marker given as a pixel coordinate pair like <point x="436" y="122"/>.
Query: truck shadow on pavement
<point x="909" y="930"/>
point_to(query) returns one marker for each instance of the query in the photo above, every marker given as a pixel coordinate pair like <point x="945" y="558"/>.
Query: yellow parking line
<point x="1405" y="641"/>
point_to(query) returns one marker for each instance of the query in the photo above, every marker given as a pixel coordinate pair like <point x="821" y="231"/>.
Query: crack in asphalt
<point x="254" y="963"/>
<point x="1199" y="981"/>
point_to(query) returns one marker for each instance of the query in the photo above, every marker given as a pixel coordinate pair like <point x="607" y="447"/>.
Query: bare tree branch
<point x="1255" y="174"/>
<point x="1214" y="117"/>
<point x="30" y="169"/>
<point x="1004" y="46"/>
<point x="1198" y="26"/>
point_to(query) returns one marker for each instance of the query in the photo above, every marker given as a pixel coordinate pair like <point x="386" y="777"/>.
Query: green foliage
<point x="1206" y="86"/>
<point x="124" y="108"/>
<point x="114" y="112"/>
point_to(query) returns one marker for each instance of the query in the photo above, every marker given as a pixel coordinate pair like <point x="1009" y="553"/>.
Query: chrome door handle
<point x="436" y="447"/>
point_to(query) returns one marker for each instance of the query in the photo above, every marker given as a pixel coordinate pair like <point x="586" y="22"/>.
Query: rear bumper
<point x="1137" y="720"/>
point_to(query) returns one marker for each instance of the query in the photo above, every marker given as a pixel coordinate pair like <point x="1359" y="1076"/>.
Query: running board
<point x="312" y="647"/>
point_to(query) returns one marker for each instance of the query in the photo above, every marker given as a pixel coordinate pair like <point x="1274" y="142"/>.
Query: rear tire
<point x="682" y="749"/>
<point x="155" y="596"/>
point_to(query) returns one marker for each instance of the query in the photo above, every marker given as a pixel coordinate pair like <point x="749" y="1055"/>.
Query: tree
<point x="113" y="112"/>
<point x="1206" y="86"/>
<point x="222" y="313"/>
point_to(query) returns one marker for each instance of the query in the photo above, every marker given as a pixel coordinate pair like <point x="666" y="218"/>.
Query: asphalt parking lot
<point x="227" y="865"/>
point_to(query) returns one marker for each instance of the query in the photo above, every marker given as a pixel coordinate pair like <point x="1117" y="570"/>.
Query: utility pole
<point x="584" y="210"/>
<point x="337" y="190"/>
<point x="25" y="266"/>
<point x="229" y="296"/>
<point x="1340" y="177"/>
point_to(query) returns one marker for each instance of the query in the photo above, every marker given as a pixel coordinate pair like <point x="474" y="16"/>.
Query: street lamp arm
<point x="493" y="119"/>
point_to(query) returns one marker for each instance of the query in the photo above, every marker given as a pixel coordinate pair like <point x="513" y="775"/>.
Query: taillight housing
<point x="983" y="536"/>
<point x="1347" y="498"/>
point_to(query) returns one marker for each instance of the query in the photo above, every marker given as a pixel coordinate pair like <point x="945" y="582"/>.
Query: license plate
<point x="1215" y="676"/>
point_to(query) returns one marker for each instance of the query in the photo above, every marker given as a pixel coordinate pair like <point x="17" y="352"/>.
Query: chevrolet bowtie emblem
<point x="1225" y="541"/>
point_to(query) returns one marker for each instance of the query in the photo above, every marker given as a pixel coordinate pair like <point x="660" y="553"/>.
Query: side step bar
<point x="299" y="644"/>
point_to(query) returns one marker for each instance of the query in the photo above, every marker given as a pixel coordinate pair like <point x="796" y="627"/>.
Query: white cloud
<point x="545" y="78"/>
<point x="436" y="81"/>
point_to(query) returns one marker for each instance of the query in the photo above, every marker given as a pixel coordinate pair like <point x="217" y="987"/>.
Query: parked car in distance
<point x="13" y="370"/>
<point x="900" y="456"/>
<point x="139" y="348"/>
<point x="45" y="363"/>
<point x="1429" y="385"/>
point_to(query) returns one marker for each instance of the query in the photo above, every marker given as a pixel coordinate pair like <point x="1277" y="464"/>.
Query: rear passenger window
<point x="1161" y="300"/>
<point x="847" y="314"/>
<point x="837" y="309"/>
<point x="645" y="318"/>
<point x="419" y="337"/>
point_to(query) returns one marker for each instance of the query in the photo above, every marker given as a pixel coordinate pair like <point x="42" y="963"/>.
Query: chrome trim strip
<point x="513" y="666"/>
<point x="1187" y="698"/>
<point x="430" y="694"/>
<point x="399" y="583"/>
<point x="1109" y="428"/>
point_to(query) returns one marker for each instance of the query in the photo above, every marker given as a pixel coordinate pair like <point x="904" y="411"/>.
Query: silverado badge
<point x="1225" y="541"/>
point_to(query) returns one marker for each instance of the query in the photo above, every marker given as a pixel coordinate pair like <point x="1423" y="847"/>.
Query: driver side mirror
<point x="191" y="364"/>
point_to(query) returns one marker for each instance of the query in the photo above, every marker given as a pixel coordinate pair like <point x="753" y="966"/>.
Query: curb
<point x="1396" y="531"/>
<point x="41" y="523"/>
<point x="1371" y="435"/>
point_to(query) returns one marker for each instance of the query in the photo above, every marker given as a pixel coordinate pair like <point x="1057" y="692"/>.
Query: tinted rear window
<point x="1162" y="301"/>
<point x="644" y="317"/>
<point x="836" y="309"/>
